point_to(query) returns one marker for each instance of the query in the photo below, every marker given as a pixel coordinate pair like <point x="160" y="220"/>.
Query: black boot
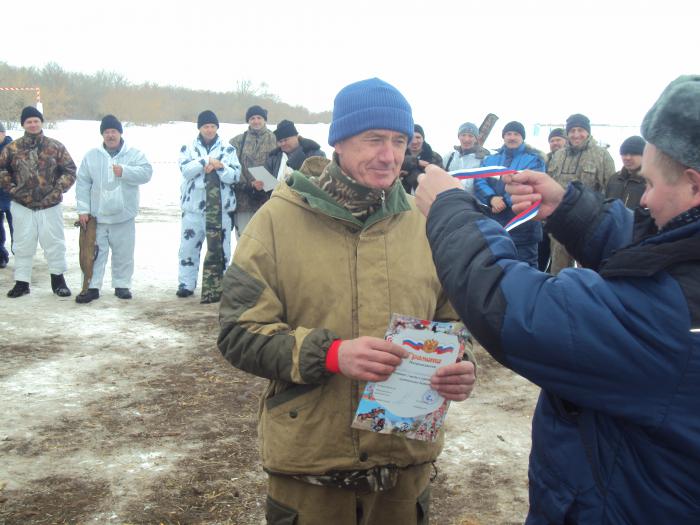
<point x="90" y="295"/>
<point x="122" y="293"/>
<point x="21" y="288"/>
<point x="59" y="286"/>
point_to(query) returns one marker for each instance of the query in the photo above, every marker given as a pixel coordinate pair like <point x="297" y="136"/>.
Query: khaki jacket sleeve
<point x="254" y="335"/>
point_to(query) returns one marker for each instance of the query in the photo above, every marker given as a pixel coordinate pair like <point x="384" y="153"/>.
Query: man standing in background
<point x="4" y="207"/>
<point x="108" y="191"/>
<point x="628" y="185"/>
<point x="469" y="153"/>
<point x="291" y="151"/>
<point x="581" y="159"/>
<point x="36" y="171"/>
<point x="252" y="147"/>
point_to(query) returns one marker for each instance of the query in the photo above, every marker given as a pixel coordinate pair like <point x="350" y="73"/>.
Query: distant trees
<point x="67" y="95"/>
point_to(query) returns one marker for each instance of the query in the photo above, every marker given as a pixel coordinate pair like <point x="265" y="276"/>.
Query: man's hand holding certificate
<point x="414" y="398"/>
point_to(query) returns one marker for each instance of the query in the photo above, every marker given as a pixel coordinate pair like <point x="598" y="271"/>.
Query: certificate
<point x="260" y="173"/>
<point x="405" y="403"/>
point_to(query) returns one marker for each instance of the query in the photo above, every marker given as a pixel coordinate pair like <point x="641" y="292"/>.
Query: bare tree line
<point x="68" y="95"/>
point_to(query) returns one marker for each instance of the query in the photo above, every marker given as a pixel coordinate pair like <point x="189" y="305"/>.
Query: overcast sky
<point x="534" y="61"/>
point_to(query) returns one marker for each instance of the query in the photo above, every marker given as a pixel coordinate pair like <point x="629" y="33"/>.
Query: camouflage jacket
<point x="258" y="145"/>
<point x="36" y="171"/>
<point x="589" y="163"/>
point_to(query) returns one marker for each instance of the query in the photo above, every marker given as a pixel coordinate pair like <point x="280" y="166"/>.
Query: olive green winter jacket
<point x="306" y="272"/>
<point x="589" y="163"/>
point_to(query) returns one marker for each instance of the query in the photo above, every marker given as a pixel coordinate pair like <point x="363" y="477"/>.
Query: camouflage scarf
<point x="359" y="200"/>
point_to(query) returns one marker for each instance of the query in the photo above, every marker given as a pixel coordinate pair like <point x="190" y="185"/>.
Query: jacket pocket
<point x="112" y="200"/>
<point x="278" y="514"/>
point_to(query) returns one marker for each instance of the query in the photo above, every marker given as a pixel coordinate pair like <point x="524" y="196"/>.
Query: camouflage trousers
<point x="214" y="259"/>
<point x="291" y="500"/>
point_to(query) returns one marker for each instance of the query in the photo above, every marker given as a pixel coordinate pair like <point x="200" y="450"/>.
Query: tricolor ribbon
<point x="498" y="171"/>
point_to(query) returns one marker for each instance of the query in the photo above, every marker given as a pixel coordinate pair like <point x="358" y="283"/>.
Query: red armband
<point x="332" y="357"/>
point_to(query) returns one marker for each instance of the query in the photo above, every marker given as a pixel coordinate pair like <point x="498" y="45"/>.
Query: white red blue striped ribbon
<point x="498" y="171"/>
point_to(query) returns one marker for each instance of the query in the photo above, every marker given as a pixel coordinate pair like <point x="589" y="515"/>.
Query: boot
<point x="85" y="297"/>
<point x="59" y="286"/>
<point x="122" y="293"/>
<point x="182" y="291"/>
<point x="21" y="288"/>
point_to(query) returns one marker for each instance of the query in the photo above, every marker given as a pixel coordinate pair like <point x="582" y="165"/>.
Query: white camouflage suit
<point x="114" y="202"/>
<point x="193" y="199"/>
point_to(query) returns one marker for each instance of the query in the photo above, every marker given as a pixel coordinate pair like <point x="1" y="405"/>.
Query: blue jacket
<point x="4" y="196"/>
<point x="615" y="348"/>
<point x="521" y="158"/>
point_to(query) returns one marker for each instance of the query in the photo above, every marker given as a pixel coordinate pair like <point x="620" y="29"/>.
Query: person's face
<point x="32" y="125"/>
<point x="512" y="139"/>
<point x="556" y="143"/>
<point x="111" y="138"/>
<point x="416" y="144"/>
<point x="664" y="199"/>
<point x="289" y="144"/>
<point x="631" y="162"/>
<point x="374" y="157"/>
<point x="466" y="140"/>
<point x="2" y="136"/>
<point x="256" y="122"/>
<point x="577" y="136"/>
<point x="208" y="131"/>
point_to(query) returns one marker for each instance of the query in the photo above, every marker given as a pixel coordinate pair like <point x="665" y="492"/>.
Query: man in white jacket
<point x="107" y="189"/>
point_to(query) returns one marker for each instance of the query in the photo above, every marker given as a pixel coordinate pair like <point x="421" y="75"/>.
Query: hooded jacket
<point x="36" y="171"/>
<point x="306" y="272"/>
<point x="615" y="347"/>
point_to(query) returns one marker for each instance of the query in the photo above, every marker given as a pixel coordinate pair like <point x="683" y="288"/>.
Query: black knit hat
<point x="633" y="146"/>
<point x="207" y="117"/>
<point x="673" y="122"/>
<point x="255" y="110"/>
<point x="417" y="128"/>
<point x="110" y="122"/>
<point x="514" y="126"/>
<point x="556" y="132"/>
<point x="285" y="129"/>
<point x="578" y="121"/>
<point x="29" y="112"/>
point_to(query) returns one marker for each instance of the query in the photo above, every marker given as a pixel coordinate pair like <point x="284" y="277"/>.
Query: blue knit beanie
<point x="369" y="104"/>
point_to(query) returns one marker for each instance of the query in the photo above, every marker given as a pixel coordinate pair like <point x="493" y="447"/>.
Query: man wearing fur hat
<point x="253" y="146"/>
<point x="517" y="155"/>
<point x="107" y="190"/>
<point x="615" y="347"/>
<point x="307" y="300"/>
<point x="36" y="171"/>
<point x="291" y="151"/>
<point x="581" y="159"/>
<point x="209" y="171"/>
<point x="628" y="185"/>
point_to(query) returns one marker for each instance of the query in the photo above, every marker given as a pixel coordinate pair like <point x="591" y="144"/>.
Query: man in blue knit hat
<point x="314" y="281"/>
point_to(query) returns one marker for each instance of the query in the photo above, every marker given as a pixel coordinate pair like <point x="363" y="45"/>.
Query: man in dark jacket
<point x="5" y="212"/>
<point x="292" y="148"/>
<point x="615" y="346"/>
<point x="628" y="185"/>
<point x="36" y="171"/>
<point x="418" y="155"/>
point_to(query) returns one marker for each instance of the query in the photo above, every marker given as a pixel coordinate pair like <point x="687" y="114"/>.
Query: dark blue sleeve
<point x="598" y="343"/>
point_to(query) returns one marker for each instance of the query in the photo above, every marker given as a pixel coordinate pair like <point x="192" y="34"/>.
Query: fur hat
<point x="632" y="146"/>
<point x="578" y="121"/>
<point x="110" y="122"/>
<point x="515" y="126"/>
<point x="556" y="132"/>
<point x="369" y="104"/>
<point x="207" y="117"/>
<point x="673" y="122"/>
<point x="255" y="110"/>
<point x="468" y="127"/>
<point x="30" y="112"/>
<point x="285" y="129"/>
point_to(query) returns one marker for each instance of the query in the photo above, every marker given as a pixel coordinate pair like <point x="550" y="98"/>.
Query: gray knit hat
<point x="673" y="122"/>
<point x="468" y="127"/>
<point x="578" y="121"/>
<point x="369" y="104"/>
